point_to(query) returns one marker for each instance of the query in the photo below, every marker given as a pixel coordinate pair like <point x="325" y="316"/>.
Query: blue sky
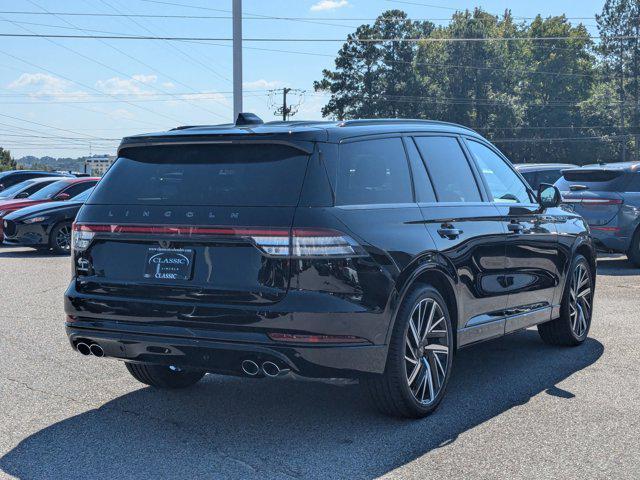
<point x="86" y="94"/>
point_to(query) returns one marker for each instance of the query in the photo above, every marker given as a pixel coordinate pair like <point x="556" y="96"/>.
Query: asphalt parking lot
<point x="516" y="408"/>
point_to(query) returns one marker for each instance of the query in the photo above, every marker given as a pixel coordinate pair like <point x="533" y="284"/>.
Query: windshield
<point x="49" y="191"/>
<point x="11" y="191"/>
<point x="213" y="174"/>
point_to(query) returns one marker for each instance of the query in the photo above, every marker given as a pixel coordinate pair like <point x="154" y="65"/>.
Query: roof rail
<point x="378" y="121"/>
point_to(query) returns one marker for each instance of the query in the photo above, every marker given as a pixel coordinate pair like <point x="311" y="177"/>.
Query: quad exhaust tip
<point x="250" y="367"/>
<point x="270" y="369"/>
<point x="83" y="348"/>
<point x="96" y="350"/>
<point x="90" y="349"/>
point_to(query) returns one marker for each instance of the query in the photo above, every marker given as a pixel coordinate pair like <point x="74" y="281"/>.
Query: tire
<point x="60" y="238"/>
<point x="634" y="249"/>
<point x="160" y="376"/>
<point x="572" y="327"/>
<point x="394" y="393"/>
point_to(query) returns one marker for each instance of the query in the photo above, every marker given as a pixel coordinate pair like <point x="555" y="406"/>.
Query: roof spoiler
<point x="248" y="118"/>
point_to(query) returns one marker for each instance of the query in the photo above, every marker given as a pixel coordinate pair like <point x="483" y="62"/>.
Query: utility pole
<point x="237" y="58"/>
<point x="285" y="110"/>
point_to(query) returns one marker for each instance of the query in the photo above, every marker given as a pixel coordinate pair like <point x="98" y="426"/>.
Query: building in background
<point x="96" y="166"/>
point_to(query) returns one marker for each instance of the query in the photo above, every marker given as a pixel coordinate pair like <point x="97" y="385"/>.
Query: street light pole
<point x="237" y="58"/>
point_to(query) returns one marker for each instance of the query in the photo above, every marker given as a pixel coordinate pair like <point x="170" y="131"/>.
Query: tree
<point x="6" y="162"/>
<point x="619" y="26"/>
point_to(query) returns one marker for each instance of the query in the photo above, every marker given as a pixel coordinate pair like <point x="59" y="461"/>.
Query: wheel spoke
<point x="414" y="373"/>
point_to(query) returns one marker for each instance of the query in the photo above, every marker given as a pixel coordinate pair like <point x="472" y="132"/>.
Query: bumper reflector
<point x="296" y="338"/>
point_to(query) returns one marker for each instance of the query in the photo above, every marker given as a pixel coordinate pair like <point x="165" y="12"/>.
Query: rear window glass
<point x="594" y="180"/>
<point x="373" y="172"/>
<point x="549" y="176"/>
<point x="50" y="190"/>
<point x="223" y="175"/>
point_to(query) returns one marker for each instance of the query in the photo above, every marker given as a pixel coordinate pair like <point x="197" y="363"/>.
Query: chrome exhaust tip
<point x="270" y="369"/>
<point x="96" y="350"/>
<point x="83" y="348"/>
<point x="250" y="367"/>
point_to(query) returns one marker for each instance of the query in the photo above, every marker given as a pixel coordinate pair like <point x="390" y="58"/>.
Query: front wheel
<point x="420" y="357"/>
<point x="60" y="238"/>
<point x="572" y="327"/>
<point x="161" y="376"/>
<point x="634" y="249"/>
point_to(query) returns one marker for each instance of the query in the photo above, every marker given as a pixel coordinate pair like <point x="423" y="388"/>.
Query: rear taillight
<point x="308" y="243"/>
<point x="274" y="242"/>
<point x="81" y="236"/>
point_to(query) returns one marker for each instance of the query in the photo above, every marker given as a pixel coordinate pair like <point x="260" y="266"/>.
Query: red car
<point x="57" y="191"/>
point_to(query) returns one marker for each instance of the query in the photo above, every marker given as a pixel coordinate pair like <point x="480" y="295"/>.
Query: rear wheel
<point x="161" y="376"/>
<point x="60" y="238"/>
<point x="634" y="250"/>
<point x="572" y="327"/>
<point x="420" y="357"/>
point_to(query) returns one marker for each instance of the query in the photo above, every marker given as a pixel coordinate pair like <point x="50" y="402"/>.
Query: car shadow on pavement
<point x="229" y="427"/>
<point x="21" y="252"/>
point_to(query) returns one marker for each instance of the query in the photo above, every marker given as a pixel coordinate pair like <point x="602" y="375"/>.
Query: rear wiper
<point x="577" y="188"/>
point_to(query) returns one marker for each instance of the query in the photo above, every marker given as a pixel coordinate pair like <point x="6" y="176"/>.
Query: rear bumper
<point x="611" y="241"/>
<point x="226" y="356"/>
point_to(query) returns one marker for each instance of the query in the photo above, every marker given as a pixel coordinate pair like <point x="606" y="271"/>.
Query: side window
<point x="449" y="169"/>
<point x="373" y="172"/>
<point x="504" y="184"/>
<point x="424" y="188"/>
<point x="78" y="188"/>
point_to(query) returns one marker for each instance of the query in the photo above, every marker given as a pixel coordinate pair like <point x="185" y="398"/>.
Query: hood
<point x="43" y="208"/>
<point x="19" y="203"/>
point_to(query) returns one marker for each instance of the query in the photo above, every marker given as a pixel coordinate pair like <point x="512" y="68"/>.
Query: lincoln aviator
<point x="362" y="249"/>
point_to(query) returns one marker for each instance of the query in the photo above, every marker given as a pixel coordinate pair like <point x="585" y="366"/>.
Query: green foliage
<point x="553" y="100"/>
<point x="6" y="161"/>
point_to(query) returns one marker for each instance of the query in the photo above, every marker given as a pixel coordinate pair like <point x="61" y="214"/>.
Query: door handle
<point x="515" y="227"/>
<point x="447" y="231"/>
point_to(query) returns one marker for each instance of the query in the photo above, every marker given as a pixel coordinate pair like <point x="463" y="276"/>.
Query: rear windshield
<point x="223" y="175"/>
<point x="594" y="180"/>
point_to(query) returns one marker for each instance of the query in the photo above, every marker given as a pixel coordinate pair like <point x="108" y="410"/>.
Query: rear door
<point x="532" y="249"/>
<point x="468" y="232"/>
<point x="197" y="223"/>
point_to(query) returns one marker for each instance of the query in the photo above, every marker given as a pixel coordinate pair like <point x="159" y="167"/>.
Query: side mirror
<point x="549" y="196"/>
<point x="22" y="195"/>
<point x="63" y="196"/>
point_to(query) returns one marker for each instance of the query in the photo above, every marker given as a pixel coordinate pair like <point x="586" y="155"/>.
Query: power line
<point x="229" y="17"/>
<point x="322" y="40"/>
<point x="154" y="87"/>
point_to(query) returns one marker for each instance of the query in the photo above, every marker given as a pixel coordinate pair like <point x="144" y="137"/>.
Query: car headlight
<point x="34" y="220"/>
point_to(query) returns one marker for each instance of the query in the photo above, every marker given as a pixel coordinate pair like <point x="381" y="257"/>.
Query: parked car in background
<point x="26" y="188"/>
<point x="368" y="249"/>
<point x="537" y="173"/>
<point x="61" y="190"/>
<point x="12" y="177"/>
<point x="608" y="197"/>
<point x="44" y="226"/>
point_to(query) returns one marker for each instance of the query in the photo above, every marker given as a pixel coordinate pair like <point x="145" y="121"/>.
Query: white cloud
<point x="168" y="85"/>
<point x="323" y="5"/>
<point x="45" y="85"/>
<point x="134" y="85"/>
<point x="262" y="84"/>
<point x="121" y="114"/>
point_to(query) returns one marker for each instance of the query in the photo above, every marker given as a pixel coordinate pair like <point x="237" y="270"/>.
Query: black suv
<point x="368" y="249"/>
